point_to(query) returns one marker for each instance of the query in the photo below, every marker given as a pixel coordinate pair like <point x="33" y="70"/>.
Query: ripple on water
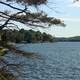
<point x="58" y="63"/>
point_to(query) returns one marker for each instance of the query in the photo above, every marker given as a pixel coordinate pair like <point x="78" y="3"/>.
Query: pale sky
<point x="70" y="13"/>
<point x="66" y="10"/>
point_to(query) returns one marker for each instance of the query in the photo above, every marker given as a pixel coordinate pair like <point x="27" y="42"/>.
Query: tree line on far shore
<point x="31" y="36"/>
<point x="28" y="36"/>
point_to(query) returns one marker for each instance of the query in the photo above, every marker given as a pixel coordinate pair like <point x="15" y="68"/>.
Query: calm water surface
<point x="58" y="61"/>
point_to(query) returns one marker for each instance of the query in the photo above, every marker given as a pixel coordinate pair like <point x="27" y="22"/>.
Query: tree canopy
<point x="30" y="2"/>
<point x="75" y="1"/>
<point x="27" y="36"/>
<point x="25" y="16"/>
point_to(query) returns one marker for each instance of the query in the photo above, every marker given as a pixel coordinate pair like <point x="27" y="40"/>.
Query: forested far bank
<point x="31" y="36"/>
<point x="69" y="39"/>
<point x="28" y="36"/>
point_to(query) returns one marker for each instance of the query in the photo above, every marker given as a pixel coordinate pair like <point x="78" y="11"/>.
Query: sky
<point x="63" y="9"/>
<point x="70" y="13"/>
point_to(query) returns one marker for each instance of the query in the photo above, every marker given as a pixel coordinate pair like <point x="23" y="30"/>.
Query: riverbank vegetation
<point x="69" y="39"/>
<point x="27" y="36"/>
<point x="6" y="76"/>
<point x="11" y="15"/>
<point x="31" y="36"/>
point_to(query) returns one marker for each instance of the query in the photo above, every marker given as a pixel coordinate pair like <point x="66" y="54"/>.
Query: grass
<point x="2" y="51"/>
<point x="6" y="76"/>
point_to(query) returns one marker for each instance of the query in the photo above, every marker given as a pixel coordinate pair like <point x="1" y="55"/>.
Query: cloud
<point x="76" y="4"/>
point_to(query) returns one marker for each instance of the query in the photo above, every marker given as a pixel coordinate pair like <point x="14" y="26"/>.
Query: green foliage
<point x="39" y="19"/>
<point x="6" y="76"/>
<point x="28" y="36"/>
<point x="76" y="38"/>
<point x="47" y="37"/>
<point x="30" y="2"/>
<point x="2" y="51"/>
<point x="69" y="39"/>
<point x="26" y="16"/>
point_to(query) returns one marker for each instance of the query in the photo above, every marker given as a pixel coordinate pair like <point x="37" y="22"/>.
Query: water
<point x="59" y="61"/>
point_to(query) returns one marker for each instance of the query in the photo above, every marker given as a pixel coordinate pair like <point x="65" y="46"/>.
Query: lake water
<point x="58" y="61"/>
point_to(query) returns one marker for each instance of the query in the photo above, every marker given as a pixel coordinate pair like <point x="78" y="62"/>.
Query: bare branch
<point x="13" y="7"/>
